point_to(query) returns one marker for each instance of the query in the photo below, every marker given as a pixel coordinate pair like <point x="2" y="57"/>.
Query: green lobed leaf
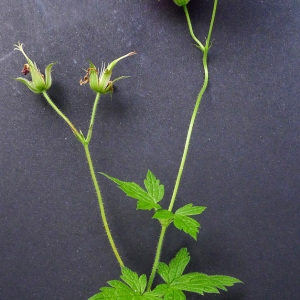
<point x="153" y="186"/>
<point x="201" y="283"/>
<point x="133" y="288"/>
<point x="133" y="190"/>
<point x="190" y="210"/>
<point x="172" y="294"/>
<point x="163" y="214"/>
<point x="132" y="279"/>
<point x="117" y="289"/>
<point x="163" y="271"/>
<point x="176" y="266"/>
<point x="152" y="295"/>
<point x="195" y="282"/>
<point x="187" y="224"/>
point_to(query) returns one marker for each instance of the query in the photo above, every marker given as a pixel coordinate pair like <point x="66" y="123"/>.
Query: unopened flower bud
<point x="181" y="2"/>
<point x="39" y="83"/>
<point x="100" y="81"/>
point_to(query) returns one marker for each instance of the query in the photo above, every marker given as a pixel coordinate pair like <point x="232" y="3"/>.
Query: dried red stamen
<point x="26" y="69"/>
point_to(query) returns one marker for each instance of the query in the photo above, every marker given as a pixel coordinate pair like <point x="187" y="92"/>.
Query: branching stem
<point x="85" y="142"/>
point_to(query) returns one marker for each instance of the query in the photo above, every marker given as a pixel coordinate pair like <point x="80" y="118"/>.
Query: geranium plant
<point x="175" y="282"/>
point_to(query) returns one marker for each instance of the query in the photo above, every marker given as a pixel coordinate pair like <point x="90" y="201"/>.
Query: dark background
<point x="243" y="162"/>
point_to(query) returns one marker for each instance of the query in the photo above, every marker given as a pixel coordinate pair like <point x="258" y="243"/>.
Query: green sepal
<point x="94" y="84"/>
<point x="48" y="76"/>
<point x="104" y="78"/>
<point x="119" y="78"/>
<point x="37" y="79"/>
<point x="29" y="84"/>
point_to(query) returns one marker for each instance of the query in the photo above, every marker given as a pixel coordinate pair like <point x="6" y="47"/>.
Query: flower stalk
<point x="101" y="84"/>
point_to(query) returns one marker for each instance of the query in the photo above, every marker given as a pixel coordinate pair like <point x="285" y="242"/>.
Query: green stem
<point x="89" y="134"/>
<point x="212" y="21"/>
<point x="191" y="28"/>
<point x="198" y="101"/>
<point x="190" y="130"/>
<point x="188" y="138"/>
<point x="75" y="131"/>
<point x="85" y="143"/>
<point x="157" y="256"/>
<point x="101" y="205"/>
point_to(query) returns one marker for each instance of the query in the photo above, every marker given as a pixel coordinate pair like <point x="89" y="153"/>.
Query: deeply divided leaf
<point x="195" y="282"/>
<point x="201" y="283"/>
<point x="172" y="294"/>
<point x="133" y="288"/>
<point x="190" y="210"/>
<point x="132" y="279"/>
<point x="133" y="190"/>
<point x="185" y="223"/>
<point x="176" y="266"/>
<point x="153" y="186"/>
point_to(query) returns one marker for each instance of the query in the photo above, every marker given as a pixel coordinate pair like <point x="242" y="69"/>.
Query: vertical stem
<point x="95" y="182"/>
<point x="101" y="205"/>
<point x="157" y="256"/>
<point x="185" y="151"/>
<point x="89" y="134"/>
<point x="212" y="20"/>
<point x="189" y="134"/>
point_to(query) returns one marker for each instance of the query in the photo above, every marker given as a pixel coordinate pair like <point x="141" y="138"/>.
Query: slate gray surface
<point x="243" y="162"/>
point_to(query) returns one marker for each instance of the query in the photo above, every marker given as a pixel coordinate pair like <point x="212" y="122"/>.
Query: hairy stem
<point x="101" y="205"/>
<point x="75" y="131"/>
<point x="85" y="143"/>
<point x="90" y="131"/>
<point x="196" y="108"/>
<point x="189" y="133"/>
<point x="157" y="256"/>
